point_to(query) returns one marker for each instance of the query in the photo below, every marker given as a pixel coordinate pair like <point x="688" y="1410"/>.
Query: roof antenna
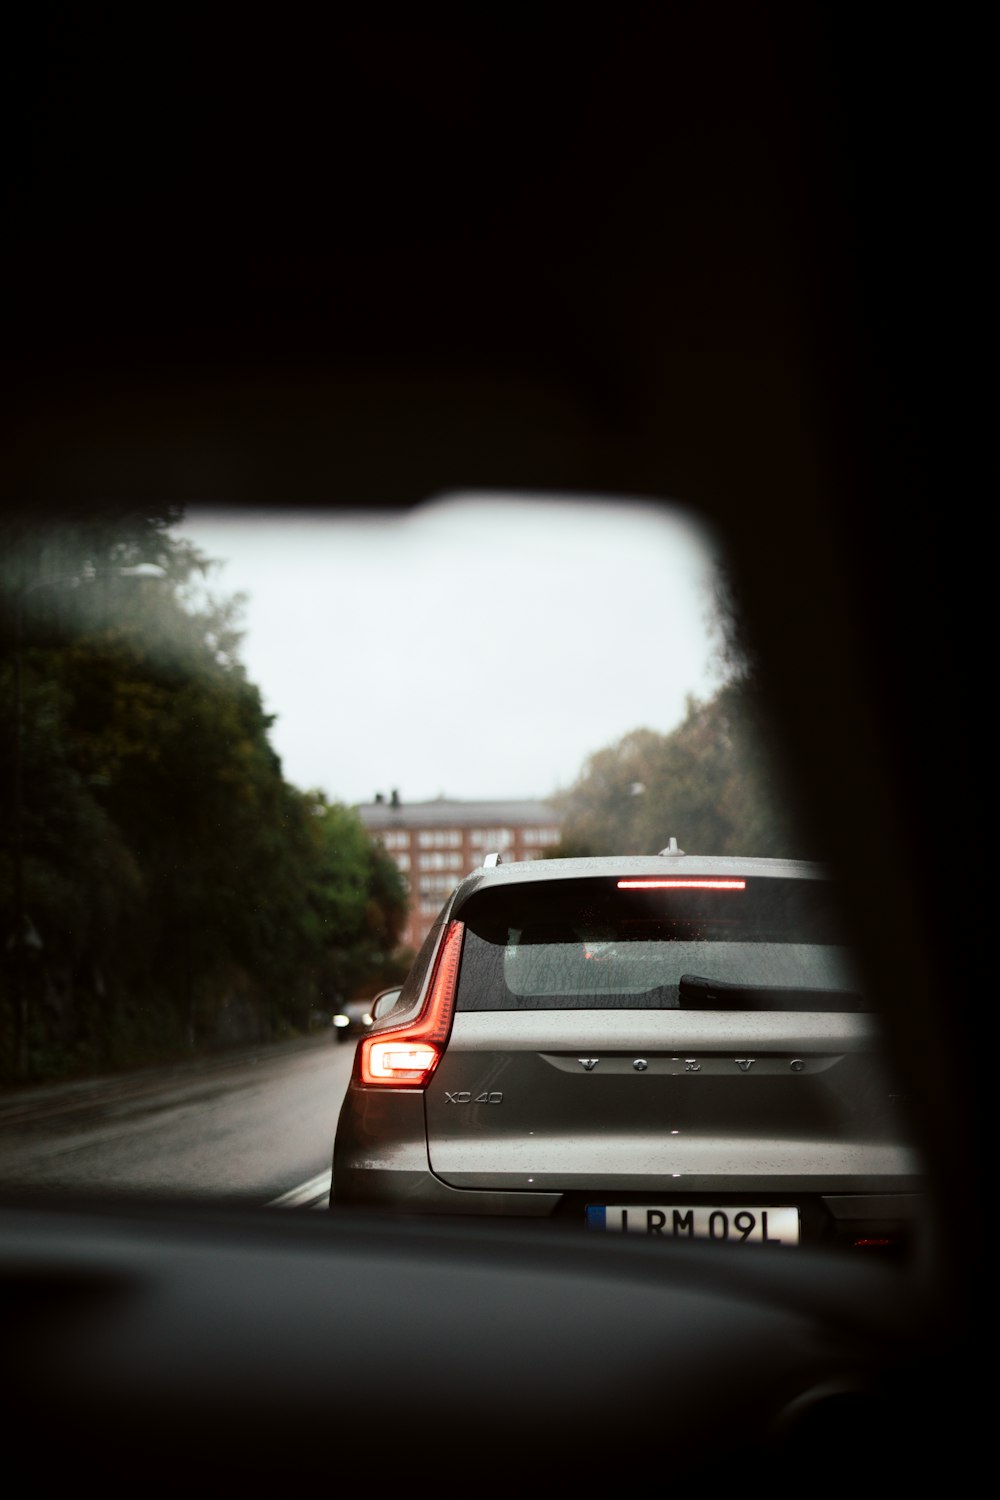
<point x="672" y="848"/>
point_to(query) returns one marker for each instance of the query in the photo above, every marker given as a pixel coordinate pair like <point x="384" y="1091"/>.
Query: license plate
<point x="734" y="1226"/>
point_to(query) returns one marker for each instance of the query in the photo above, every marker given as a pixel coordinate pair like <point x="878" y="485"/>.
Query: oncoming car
<point x="673" y="1046"/>
<point x="355" y="1018"/>
<point x="352" y="1020"/>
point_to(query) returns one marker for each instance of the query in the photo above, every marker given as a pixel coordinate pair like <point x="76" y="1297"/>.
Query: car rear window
<point x="755" y="944"/>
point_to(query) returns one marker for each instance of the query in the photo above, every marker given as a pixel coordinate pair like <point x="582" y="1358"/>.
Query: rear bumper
<point x="891" y="1222"/>
<point x="381" y="1161"/>
<point x="885" y="1223"/>
<point x="412" y="1190"/>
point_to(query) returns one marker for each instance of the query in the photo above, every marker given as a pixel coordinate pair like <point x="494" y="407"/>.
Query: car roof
<point x="545" y="871"/>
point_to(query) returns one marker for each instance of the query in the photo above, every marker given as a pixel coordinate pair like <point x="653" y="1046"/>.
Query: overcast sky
<point x="477" y="648"/>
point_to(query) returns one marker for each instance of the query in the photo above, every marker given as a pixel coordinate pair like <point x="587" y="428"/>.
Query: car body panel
<point x="383" y="1159"/>
<point x="565" y="1104"/>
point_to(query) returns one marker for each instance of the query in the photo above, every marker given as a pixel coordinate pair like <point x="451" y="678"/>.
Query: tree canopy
<point x="714" y="784"/>
<point x="162" y="887"/>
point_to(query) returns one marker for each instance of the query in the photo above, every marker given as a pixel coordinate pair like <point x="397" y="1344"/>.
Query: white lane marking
<point x="312" y="1194"/>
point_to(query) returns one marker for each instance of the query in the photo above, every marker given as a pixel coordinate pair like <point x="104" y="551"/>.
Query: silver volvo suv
<point x="668" y="1045"/>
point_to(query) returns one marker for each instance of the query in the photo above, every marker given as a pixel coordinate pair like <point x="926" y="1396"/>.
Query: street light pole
<point x="19" y="935"/>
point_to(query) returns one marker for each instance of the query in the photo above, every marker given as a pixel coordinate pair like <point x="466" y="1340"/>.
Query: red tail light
<point x="685" y="883"/>
<point x="405" y="1056"/>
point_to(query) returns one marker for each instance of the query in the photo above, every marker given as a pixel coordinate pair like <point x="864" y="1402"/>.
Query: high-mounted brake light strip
<point x="681" y="884"/>
<point x="405" y="1056"/>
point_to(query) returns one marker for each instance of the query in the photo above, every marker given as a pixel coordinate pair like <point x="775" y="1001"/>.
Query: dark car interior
<point x="678" y="254"/>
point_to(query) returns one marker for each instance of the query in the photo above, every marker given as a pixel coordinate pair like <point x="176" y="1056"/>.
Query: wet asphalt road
<point x="249" y="1128"/>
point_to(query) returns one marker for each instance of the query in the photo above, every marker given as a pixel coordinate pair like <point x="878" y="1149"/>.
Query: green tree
<point x="714" y="784"/>
<point x="173" y="891"/>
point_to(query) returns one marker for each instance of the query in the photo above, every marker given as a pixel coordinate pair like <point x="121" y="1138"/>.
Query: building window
<point x="491" y="838"/>
<point x="395" y="840"/>
<point x="440" y="861"/>
<point x="402" y="861"/>
<point x="440" y="838"/>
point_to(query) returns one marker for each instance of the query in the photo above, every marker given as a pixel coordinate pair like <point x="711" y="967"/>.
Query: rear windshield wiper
<point x="697" y="993"/>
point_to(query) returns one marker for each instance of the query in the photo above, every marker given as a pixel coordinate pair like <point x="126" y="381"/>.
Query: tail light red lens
<point x="688" y="883"/>
<point x="405" y="1056"/>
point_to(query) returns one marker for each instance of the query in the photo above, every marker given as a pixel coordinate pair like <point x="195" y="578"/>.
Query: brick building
<point x="435" y="844"/>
